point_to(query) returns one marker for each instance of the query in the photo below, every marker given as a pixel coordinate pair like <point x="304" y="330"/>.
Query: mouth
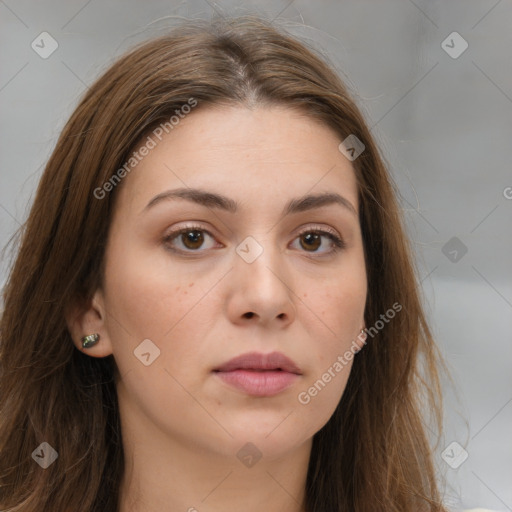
<point x="258" y="374"/>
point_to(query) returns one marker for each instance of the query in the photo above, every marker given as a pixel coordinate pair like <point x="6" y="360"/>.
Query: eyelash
<point x="338" y="243"/>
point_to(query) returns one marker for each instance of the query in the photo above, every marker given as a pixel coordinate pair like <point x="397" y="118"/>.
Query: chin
<point x="272" y="439"/>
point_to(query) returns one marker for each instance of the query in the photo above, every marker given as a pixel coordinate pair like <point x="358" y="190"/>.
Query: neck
<point x="180" y="479"/>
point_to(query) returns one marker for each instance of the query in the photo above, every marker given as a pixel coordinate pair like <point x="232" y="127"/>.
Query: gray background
<point x="444" y="125"/>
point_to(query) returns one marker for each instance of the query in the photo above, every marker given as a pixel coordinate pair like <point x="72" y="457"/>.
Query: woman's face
<point x="255" y="272"/>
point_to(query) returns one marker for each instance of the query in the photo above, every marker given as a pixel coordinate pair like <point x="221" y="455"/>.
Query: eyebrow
<point x="213" y="200"/>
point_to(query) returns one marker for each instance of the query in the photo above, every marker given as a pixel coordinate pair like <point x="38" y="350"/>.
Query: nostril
<point x="249" y="315"/>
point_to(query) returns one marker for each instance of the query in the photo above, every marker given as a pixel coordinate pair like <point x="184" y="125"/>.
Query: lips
<point x="259" y="375"/>
<point x="260" y="362"/>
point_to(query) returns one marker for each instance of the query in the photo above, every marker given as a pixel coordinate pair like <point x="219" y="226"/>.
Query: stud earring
<point x="90" y="340"/>
<point x="360" y="337"/>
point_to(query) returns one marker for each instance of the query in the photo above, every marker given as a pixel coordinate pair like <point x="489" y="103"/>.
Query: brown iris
<point x="312" y="240"/>
<point x="193" y="237"/>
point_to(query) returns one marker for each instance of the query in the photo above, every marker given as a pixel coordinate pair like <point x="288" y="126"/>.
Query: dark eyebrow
<point x="213" y="200"/>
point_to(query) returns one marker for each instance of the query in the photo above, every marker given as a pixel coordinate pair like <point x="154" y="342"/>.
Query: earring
<point x="363" y="339"/>
<point x="90" y="340"/>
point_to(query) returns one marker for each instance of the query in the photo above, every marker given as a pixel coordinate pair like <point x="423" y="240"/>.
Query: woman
<point x="214" y="304"/>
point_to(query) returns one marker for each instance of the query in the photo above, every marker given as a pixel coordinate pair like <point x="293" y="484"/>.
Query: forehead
<point x="257" y="155"/>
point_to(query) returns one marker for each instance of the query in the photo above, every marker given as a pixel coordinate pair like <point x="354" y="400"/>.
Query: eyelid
<point x="189" y="227"/>
<point x="317" y="227"/>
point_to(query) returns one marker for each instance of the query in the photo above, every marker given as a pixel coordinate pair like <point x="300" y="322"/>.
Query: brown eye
<point x="311" y="241"/>
<point x="189" y="240"/>
<point x="192" y="239"/>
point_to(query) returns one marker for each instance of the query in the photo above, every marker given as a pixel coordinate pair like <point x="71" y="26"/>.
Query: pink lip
<point x="259" y="374"/>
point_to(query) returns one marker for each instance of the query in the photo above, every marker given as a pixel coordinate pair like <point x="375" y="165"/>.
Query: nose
<point x="261" y="291"/>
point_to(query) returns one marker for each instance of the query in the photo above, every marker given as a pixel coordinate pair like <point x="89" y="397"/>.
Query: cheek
<point x="148" y="299"/>
<point x="331" y="356"/>
<point x="339" y="309"/>
<point x="321" y="392"/>
<point x="147" y="294"/>
<point x="337" y="313"/>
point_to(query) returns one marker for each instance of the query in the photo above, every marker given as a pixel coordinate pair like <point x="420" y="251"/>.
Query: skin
<point x="182" y="426"/>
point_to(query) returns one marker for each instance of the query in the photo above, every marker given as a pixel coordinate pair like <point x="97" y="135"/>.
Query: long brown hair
<point x="373" y="454"/>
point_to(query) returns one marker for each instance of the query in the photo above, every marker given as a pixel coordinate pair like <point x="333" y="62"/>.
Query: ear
<point x="89" y="319"/>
